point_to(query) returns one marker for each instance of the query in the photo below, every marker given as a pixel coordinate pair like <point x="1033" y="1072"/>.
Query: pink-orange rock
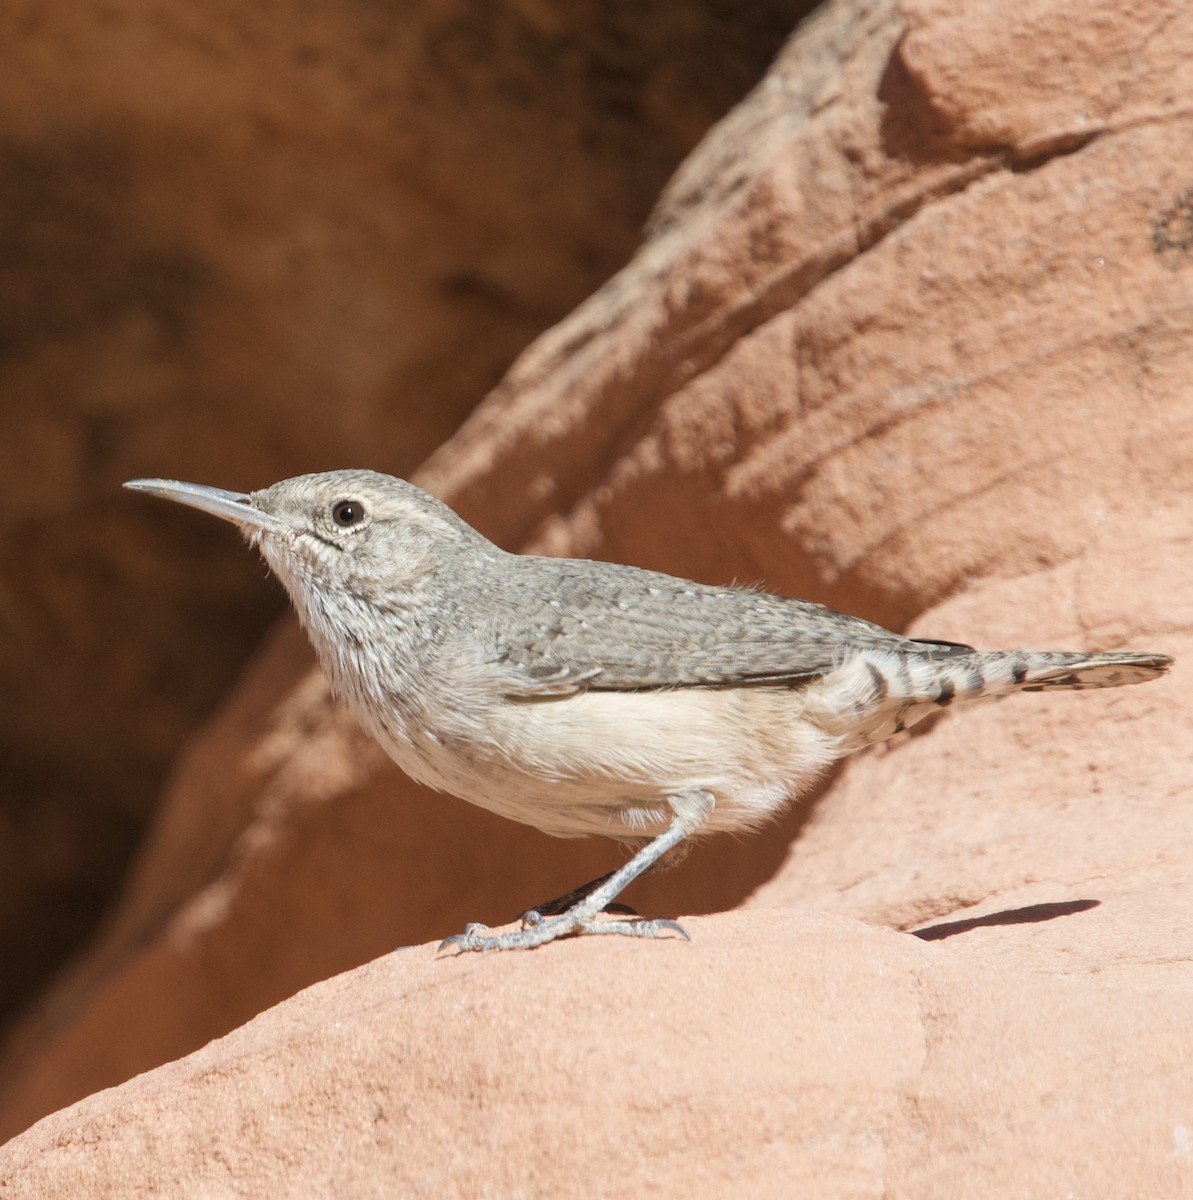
<point x="779" y="1054"/>
<point x="881" y="357"/>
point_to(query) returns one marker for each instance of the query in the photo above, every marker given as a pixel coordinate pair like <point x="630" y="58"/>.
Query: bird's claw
<point x="473" y="931"/>
<point x="672" y="926"/>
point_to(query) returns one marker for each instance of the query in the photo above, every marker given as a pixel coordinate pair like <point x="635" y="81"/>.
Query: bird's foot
<point x="547" y="929"/>
<point x="577" y="912"/>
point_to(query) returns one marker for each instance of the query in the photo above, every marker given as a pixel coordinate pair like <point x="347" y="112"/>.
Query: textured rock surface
<point x="890" y="345"/>
<point x="240" y="243"/>
<point x="779" y="1054"/>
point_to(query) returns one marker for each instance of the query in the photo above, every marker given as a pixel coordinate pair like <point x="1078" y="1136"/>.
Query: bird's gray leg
<point x="692" y="809"/>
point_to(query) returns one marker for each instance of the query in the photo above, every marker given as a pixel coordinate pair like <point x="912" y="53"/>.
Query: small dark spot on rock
<point x="1173" y="232"/>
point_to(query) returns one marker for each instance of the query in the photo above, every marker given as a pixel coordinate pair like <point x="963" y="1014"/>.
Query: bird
<point x="593" y="698"/>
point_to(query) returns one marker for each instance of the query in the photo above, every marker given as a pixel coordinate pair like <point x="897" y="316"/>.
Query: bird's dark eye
<point x="347" y="512"/>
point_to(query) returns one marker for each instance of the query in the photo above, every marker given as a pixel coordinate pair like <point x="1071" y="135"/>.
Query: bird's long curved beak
<point x="236" y="507"/>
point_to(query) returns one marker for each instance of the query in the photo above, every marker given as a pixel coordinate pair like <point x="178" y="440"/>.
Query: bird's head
<point x="359" y="532"/>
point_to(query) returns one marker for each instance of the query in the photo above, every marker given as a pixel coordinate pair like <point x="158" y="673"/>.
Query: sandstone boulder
<point x="910" y="335"/>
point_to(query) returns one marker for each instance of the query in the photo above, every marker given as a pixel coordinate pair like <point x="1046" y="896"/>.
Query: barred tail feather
<point x="1039" y="671"/>
<point x="876" y="694"/>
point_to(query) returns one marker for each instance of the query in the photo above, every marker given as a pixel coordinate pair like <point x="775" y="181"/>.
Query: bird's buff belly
<point x="607" y="762"/>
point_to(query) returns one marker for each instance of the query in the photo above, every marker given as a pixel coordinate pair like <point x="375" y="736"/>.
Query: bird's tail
<point x="1002" y="671"/>
<point x="891" y="691"/>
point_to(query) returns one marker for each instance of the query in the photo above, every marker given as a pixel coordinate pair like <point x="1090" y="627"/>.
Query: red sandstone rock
<point x="890" y="346"/>
<point x="779" y="1054"/>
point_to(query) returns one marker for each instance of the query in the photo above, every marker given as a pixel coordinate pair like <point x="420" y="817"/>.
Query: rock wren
<point x="591" y="698"/>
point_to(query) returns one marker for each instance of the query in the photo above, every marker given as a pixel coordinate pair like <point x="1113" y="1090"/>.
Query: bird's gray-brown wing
<point x="603" y="627"/>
